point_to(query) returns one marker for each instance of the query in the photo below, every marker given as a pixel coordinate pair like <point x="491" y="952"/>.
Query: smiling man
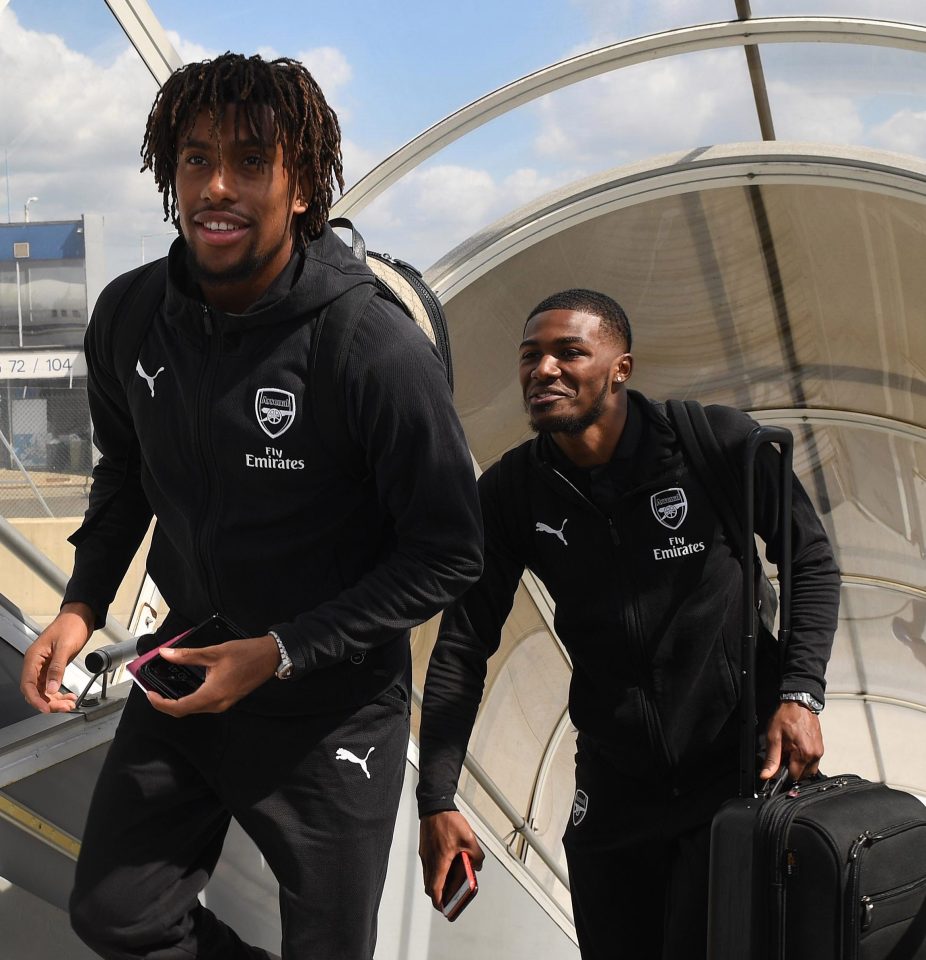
<point x="200" y="379"/>
<point x="604" y="509"/>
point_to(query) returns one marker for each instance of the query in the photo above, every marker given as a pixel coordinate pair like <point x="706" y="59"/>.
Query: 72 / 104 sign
<point x="42" y="364"/>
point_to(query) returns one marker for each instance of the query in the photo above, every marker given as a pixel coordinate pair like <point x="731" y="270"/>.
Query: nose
<point x="547" y="368"/>
<point x="220" y="185"/>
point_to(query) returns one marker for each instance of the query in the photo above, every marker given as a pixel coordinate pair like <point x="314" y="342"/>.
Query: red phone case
<point x="460" y="886"/>
<point x="173" y="680"/>
<point x="135" y="665"/>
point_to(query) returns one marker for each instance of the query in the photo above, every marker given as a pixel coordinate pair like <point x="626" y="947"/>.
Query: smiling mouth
<point x="545" y="397"/>
<point x="220" y="225"/>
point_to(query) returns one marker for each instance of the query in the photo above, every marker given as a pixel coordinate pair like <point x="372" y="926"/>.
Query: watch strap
<point x="285" y="669"/>
<point x="804" y="699"/>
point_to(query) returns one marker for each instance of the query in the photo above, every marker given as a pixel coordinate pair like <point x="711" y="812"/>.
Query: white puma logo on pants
<point x="343" y="754"/>
<point x="543" y="528"/>
<point x="149" y="380"/>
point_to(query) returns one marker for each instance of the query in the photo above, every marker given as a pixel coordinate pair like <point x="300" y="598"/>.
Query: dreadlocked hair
<point x="299" y="119"/>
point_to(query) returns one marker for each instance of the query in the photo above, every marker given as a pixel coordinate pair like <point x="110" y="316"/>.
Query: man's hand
<point x="441" y="836"/>
<point x="233" y="670"/>
<point x="794" y="737"/>
<point x="53" y="649"/>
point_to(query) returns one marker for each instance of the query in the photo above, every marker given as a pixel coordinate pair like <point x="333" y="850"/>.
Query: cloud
<point x="904" y="132"/>
<point x="72" y="128"/>
<point x="433" y="209"/>
<point x="647" y="110"/>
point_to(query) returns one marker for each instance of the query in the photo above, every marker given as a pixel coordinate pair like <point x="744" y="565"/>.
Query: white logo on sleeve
<point x="543" y="528"/>
<point x="670" y="507"/>
<point x="579" y="807"/>
<point x="344" y="754"/>
<point x="140" y="370"/>
<point x="275" y="409"/>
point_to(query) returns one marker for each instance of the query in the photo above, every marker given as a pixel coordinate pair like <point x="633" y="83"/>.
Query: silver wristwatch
<point x="285" y="670"/>
<point x="804" y="699"/>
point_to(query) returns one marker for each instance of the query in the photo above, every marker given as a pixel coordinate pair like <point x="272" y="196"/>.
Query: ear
<point x="622" y="368"/>
<point x="303" y="196"/>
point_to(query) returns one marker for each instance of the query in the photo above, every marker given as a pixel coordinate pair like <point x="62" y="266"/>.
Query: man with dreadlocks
<point x="299" y="730"/>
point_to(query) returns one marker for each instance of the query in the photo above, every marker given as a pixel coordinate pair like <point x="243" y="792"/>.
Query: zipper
<point x="433" y="308"/>
<point x="859" y="909"/>
<point x="773" y="822"/>
<point x="203" y="439"/>
<point x="648" y="707"/>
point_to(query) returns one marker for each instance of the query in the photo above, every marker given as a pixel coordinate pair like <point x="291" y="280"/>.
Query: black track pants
<point x="163" y="803"/>
<point x="638" y="863"/>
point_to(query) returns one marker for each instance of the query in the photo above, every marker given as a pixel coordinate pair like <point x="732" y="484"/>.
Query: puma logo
<point x="343" y="754"/>
<point x="149" y="380"/>
<point x="543" y="528"/>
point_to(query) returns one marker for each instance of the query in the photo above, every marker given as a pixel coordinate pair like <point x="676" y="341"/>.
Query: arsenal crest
<point x="579" y="807"/>
<point x="670" y="507"/>
<point x="275" y="409"/>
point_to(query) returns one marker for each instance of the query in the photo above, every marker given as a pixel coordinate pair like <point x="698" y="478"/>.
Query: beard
<point x="252" y="262"/>
<point x="571" y="424"/>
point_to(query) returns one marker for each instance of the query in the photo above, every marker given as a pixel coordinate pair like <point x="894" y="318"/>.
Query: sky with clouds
<point x="75" y="96"/>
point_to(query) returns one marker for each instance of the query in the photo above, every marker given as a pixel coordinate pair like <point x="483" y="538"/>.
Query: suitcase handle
<point x="759" y="436"/>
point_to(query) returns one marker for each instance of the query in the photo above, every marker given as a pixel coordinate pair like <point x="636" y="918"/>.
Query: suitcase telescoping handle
<point x="758" y="437"/>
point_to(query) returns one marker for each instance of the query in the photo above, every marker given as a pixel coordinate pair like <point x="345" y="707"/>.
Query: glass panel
<point x="848" y="741"/>
<point x="880" y="647"/>
<point x="552" y="810"/>
<point x="897" y="730"/>
<point x="904" y="11"/>
<point x="845" y="93"/>
<point x="73" y="101"/>
<point x="642" y="111"/>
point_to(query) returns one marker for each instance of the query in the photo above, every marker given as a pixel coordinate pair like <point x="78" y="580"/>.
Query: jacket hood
<point x="311" y="280"/>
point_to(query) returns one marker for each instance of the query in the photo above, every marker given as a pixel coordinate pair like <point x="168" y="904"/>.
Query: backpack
<point x="136" y="296"/>
<point x="724" y="487"/>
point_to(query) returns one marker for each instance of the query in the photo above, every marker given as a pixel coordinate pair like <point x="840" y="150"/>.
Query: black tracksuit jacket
<point x="649" y="611"/>
<point x="261" y="523"/>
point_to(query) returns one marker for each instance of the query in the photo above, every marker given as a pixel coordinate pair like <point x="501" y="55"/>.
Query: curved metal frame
<point x="736" y="165"/>
<point x="656" y="46"/>
<point x="842" y="418"/>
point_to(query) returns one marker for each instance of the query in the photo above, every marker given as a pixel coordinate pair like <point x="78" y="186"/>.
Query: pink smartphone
<point x="460" y="886"/>
<point x="173" y="680"/>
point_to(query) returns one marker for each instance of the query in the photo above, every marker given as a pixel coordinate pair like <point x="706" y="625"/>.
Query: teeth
<point x="216" y="225"/>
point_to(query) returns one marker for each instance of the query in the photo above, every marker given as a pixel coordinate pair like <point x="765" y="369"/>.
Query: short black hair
<point x="300" y="120"/>
<point x="609" y="311"/>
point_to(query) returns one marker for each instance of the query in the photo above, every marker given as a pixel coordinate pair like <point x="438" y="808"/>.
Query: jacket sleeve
<point x="469" y="634"/>
<point x="118" y="514"/>
<point x="815" y="577"/>
<point x="400" y="411"/>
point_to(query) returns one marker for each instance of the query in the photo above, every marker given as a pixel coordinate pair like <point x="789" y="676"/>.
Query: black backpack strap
<point x="334" y="334"/>
<point x="713" y="469"/>
<point x="130" y="315"/>
<point x="724" y="487"/>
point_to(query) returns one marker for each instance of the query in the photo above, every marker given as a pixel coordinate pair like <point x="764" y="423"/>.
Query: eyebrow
<point x="559" y="341"/>
<point x="249" y="144"/>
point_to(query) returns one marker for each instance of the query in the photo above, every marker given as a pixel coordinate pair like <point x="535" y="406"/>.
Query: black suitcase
<point x="830" y="868"/>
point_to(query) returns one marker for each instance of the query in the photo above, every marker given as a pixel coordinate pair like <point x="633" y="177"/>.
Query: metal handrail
<point x="518" y="823"/>
<point x="52" y="575"/>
